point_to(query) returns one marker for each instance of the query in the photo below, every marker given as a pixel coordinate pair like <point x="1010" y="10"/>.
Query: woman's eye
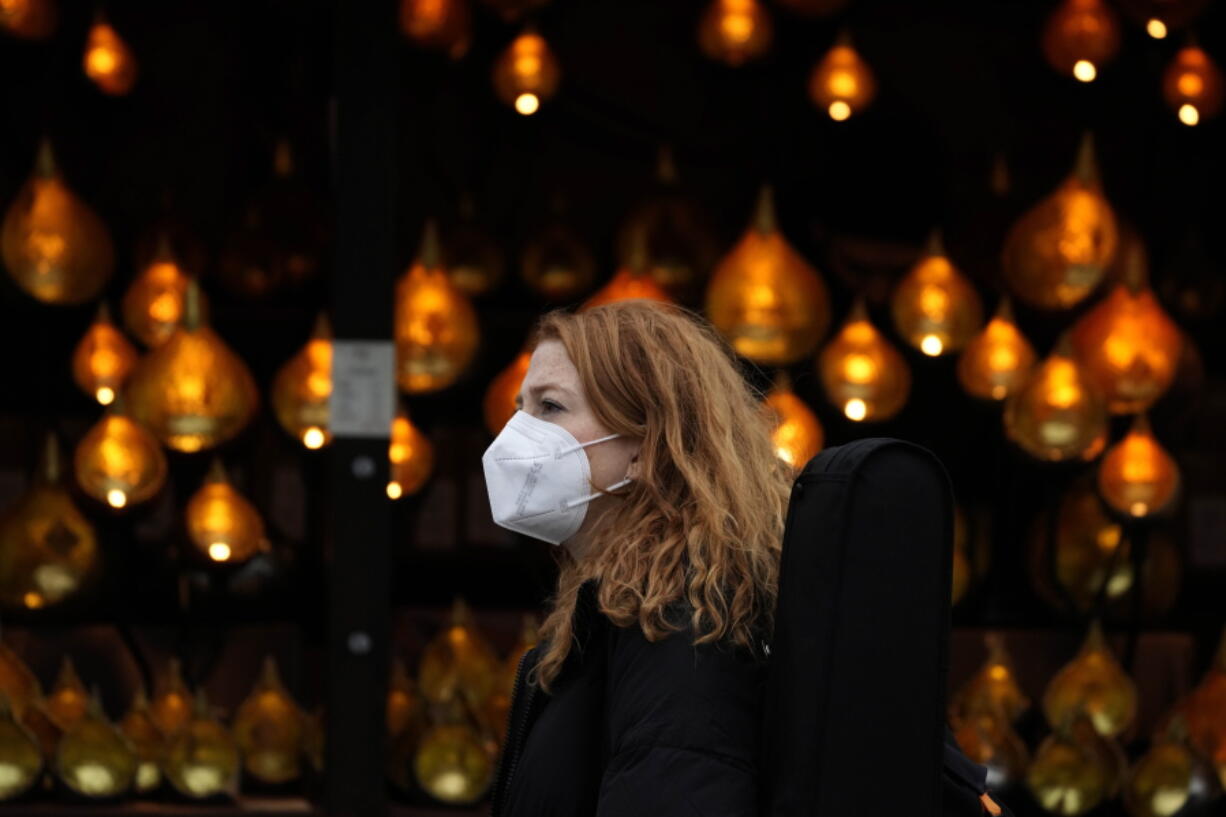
<point x="548" y="406"/>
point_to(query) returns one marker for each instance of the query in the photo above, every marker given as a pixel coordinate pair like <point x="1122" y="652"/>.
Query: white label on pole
<point x="363" y="394"/>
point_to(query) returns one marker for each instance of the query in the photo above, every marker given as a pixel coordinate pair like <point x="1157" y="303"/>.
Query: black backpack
<point x="854" y="717"/>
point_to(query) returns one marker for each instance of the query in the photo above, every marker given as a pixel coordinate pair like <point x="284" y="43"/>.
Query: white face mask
<point x="538" y="478"/>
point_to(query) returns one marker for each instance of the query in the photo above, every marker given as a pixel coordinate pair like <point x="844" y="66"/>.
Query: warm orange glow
<point x="108" y="61"/>
<point x="103" y="359"/>
<point x="302" y="387"/>
<point x="526" y="74"/>
<point x="994" y="687"/>
<point x="440" y="25"/>
<point x="411" y="457"/>
<point x="1057" y="253"/>
<point x="499" y="402"/>
<point x="796" y="432"/>
<point x="1192" y="85"/>
<point x="119" y="462"/>
<point x="1057" y="414"/>
<point x="935" y="308"/>
<point x="436" y="328"/>
<point x="1080" y="36"/>
<point x="765" y="297"/>
<point x="1156" y="28"/>
<point x="29" y="19"/>
<point x="557" y="263"/>
<point x="269" y="729"/>
<point x="193" y="392"/>
<point x="1128" y="345"/>
<point x="841" y="83"/>
<point x="735" y="31"/>
<point x="997" y="360"/>
<point x="458" y="660"/>
<point x="54" y="246"/>
<point x="1137" y="476"/>
<point x="863" y="374"/>
<point x="627" y="284"/>
<point x="153" y="304"/>
<point x="1094" y="684"/>
<point x="221" y="522"/>
<point x="68" y="699"/>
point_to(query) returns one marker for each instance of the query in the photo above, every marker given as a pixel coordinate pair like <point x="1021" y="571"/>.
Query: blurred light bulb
<point x="839" y="110"/>
<point x="931" y="345"/>
<point x="394" y="491"/>
<point x="1085" y="71"/>
<point x="116" y="498"/>
<point x="1156" y="28"/>
<point x="219" y="551"/>
<point x="527" y="104"/>
<point x="105" y="395"/>
<point x="855" y="409"/>
<point x="313" y="437"/>
<point x="1188" y="114"/>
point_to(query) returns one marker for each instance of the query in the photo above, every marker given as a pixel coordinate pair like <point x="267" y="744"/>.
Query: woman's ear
<point x="632" y="471"/>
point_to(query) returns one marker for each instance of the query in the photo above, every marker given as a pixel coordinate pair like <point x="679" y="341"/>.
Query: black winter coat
<point x="634" y="728"/>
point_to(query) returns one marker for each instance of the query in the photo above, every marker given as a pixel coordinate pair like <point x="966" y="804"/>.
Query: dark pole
<point x="359" y="540"/>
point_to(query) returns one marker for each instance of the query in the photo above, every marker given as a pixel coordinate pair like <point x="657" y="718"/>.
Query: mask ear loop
<point x="564" y="451"/>
<point x="570" y="503"/>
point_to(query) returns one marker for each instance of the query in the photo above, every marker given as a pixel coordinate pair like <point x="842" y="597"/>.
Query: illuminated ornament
<point x="988" y="738"/>
<point x="813" y="8"/>
<point x="439" y="25"/>
<point x="935" y="308"/>
<point x="203" y="759"/>
<point x="48" y="549"/>
<point x="526" y="74"/>
<point x="765" y="298"/>
<point x="499" y="402"/>
<point x="993" y="687"/>
<point x="268" y="729"/>
<point x="435" y="326"/>
<point x="1127" y="344"/>
<point x="153" y="304"/>
<point x="401" y="700"/>
<point x="1192" y="85"/>
<point x="302" y="387"/>
<point x="557" y="264"/>
<point x="1093" y="683"/>
<point x="458" y="661"/>
<point x="148" y="743"/>
<point x="499" y="706"/>
<point x="1204" y="711"/>
<point x="474" y="260"/>
<point x="735" y="31"/>
<point x="118" y="461"/>
<point x="21" y="759"/>
<point x="1170" y="777"/>
<point x="411" y="457"/>
<point x="29" y="19"/>
<point x="1058" y="414"/>
<point x="997" y="360"/>
<point x="1067" y="777"/>
<point x="108" y="61"/>
<point x="681" y="249"/>
<point x="68" y="700"/>
<point x="1160" y="17"/>
<point x="1057" y="253"/>
<point x="103" y="359"/>
<point x="1137" y="476"/>
<point x="796" y="432"/>
<point x="841" y="83"/>
<point x="193" y="391"/>
<point x="171" y="707"/>
<point x="221" y="523"/>
<point x="864" y="375"/>
<point x="633" y="280"/>
<point x="452" y="763"/>
<point x="280" y="239"/>
<point x="1080" y="37"/>
<point x="55" y="247"/>
<point x="93" y="759"/>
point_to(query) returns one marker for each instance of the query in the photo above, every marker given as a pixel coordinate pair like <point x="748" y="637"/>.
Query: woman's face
<point x="552" y="391"/>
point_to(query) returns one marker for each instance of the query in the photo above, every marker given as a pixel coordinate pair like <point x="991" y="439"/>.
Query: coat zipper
<point x="515" y="739"/>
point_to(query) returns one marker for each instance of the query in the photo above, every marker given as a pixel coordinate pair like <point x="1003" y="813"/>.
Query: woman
<point x="641" y="451"/>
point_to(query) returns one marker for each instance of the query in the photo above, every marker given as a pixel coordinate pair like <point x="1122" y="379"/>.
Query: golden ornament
<point x="1170" y="777"/>
<point x="998" y="360"/>
<point x="1066" y="776"/>
<point x="439" y="25"/>
<point x="735" y="31"/>
<point x="108" y="60"/>
<point x="103" y="359"/>
<point x="21" y="759"/>
<point x="841" y="83"/>
<point x="526" y="73"/>
<point x="153" y="304"/>
<point x="147" y="742"/>
<point x="633" y="280"/>
<point x="1081" y="36"/>
<point x="1095" y="684"/>
<point x="1137" y="476"/>
<point x="203" y="759"/>
<point x="268" y="728"/>
<point x="411" y="457"/>
<point x="93" y="758"/>
<point x="458" y="658"/>
<point x="68" y="700"/>
<point x="864" y="375"/>
<point x="986" y="737"/>
<point x="993" y="687"/>
<point x="1192" y="85"/>
<point x="1058" y="414"/>
<point x="303" y="386"/>
<point x="221" y="522"/>
<point x="796" y="432"/>
<point x="171" y="707"/>
<point x="118" y="461"/>
<point x="935" y="308"/>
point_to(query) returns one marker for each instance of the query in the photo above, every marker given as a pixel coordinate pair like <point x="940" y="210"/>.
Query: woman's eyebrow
<point x="519" y="399"/>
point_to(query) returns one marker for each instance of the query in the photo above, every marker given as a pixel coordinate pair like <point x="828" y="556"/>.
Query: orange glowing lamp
<point x="765" y="297"/>
<point x="411" y="457"/>
<point x="526" y="74"/>
<point x="153" y="304"/>
<point x="998" y="359"/>
<point x="841" y="83"/>
<point x="108" y="60"/>
<point x="632" y="280"/>
<point x="436" y="328"/>
<point x="1059" y="251"/>
<point x="439" y="25"/>
<point x="302" y="387"/>
<point x="54" y="246"/>
<point x="1058" y="414"/>
<point x="1080" y="37"/>
<point x="795" y="430"/>
<point x="103" y="359"/>
<point x="1192" y="85"/>
<point x="864" y="375"/>
<point x="499" y="402"/>
<point x="935" y="308"/>
<point x="735" y="31"/>
<point x="1137" y="477"/>
<point x="118" y="462"/>
<point x="221" y="522"/>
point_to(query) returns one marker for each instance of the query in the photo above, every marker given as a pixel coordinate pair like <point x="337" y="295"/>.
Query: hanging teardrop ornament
<point x="68" y="700"/>
<point x="103" y="359"/>
<point x="203" y="759"/>
<point x="147" y="742"/>
<point x="1080" y="37"/>
<point x="438" y="25"/>
<point x="54" y="246"/>
<point x="1093" y="683"/>
<point x="458" y="657"/>
<point x="452" y="763"/>
<point x="987" y="737"/>
<point x="632" y="280"/>
<point x="526" y="73"/>
<point x="735" y="32"/>
<point x="268" y="729"/>
<point x="171" y="707"/>
<point x="93" y="758"/>
<point x="1059" y="251"/>
<point x="1067" y="777"/>
<point x="1171" y="778"/>
<point x="1137" y="476"/>
<point x="994" y="687"/>
<point x="153" y="304"/>
<point x="21" y="759"/>
<point x="499" y="402"/>
<point x="765" y="298"/>
<point x="841" y="83"/>
<point x="411" y="457"/>
<point x="935" y="308"/>
<point x="221" y="522"/>
<point x="108" y="61"/>
<point x="48" y="549"/>
<point x="118" y="462"/>
<point x="997" y="360"/>
<point x="1058" y="414"/>
<point x="303" y="386"/>
<point x="863" y="374"/>
<point x="795" y="430"/>
<point x="1204" y="712"/>
<point x="1192" y="85"/>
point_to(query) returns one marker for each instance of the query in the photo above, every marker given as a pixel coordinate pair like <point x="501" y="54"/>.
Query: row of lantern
<point x="1089" y="705"/>
<point x="170" y="741"/>
<point x="444" y="727"/>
